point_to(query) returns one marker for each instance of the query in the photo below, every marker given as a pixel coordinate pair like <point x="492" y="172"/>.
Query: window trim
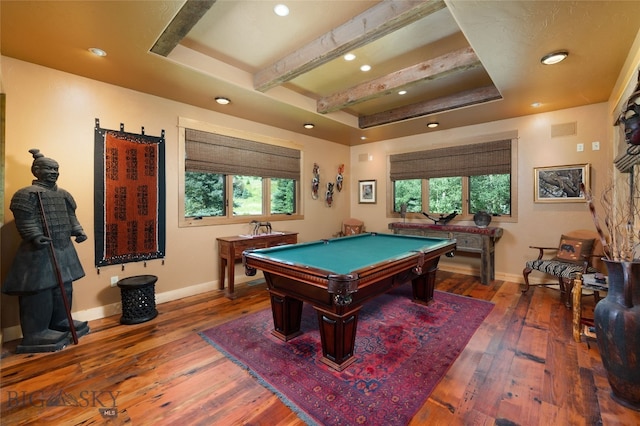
<point x="184" y="222"/>
<point x="513" y="218"/>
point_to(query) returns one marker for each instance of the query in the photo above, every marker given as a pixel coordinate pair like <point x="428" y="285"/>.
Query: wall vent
<point x="564" y="129"/>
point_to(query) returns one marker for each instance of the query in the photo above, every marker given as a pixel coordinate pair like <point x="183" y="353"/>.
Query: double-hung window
<point x="464" y="179"/>
<point x="229" y="178"/>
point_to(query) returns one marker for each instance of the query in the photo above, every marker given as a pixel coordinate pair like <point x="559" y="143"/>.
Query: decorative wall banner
<point x="129" y="201"/>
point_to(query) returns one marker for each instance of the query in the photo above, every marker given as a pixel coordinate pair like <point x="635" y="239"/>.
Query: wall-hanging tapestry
<point x="129" y="196"/>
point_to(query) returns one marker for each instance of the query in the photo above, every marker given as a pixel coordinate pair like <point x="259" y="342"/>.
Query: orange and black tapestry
<point x="129" y="196"/>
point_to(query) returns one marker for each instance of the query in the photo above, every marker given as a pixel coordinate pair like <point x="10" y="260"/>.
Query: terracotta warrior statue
<point x="46" y="220"/>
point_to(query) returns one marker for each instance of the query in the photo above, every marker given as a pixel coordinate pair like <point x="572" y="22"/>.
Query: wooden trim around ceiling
<point x="446" y="103"/>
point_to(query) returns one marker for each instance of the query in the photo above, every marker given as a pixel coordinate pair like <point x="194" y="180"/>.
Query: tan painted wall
<point x="55" y="112"/>
<point x="537" y="224"/>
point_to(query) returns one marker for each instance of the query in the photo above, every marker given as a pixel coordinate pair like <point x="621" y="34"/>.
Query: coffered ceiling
<point x="460" y="62"/>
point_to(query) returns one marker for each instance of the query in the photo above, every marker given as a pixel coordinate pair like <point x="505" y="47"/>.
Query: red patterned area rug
<point x="403" y="350"/>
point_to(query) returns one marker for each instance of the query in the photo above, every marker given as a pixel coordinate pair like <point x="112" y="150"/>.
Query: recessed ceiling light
<point x="365" y="68"/>
<point x="309" y="125"/>
<point x="364" y="138"/>
<point x="536" y="104"/>
<point x="281" y="10"/>
<point x="433" y="124"/>
<point x="97" y="52"/>
<point x="223" y="101"/>
<point x="554" y="57"/>
<point x="349" y="57"/>
<point x="402" y="92"/>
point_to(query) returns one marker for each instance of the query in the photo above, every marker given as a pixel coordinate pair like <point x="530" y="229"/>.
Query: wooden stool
<point x="138" y="299"/>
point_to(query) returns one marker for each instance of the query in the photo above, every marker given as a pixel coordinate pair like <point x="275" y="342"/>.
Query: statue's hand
<point x="41" y="241"/>
<point x="81" y="237"/>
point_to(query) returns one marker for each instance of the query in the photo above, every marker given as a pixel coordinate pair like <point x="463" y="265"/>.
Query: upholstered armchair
<point x="578" y="251"/>
<point x="351" y="226"/>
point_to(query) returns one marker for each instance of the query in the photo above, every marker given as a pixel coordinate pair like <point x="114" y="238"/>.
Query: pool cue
<point x="56" y="266"/>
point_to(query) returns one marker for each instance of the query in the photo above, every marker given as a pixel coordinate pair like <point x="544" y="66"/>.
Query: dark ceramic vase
<point x="482" y="219"/>
<point x="617" y="322"/>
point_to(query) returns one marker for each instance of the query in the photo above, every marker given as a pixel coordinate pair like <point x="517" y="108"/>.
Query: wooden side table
<point x="138" y="299"/>
<point x="230" y="250"/>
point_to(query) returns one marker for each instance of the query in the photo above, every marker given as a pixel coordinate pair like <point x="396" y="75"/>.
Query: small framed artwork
<point x="367" y="192"/>
<point x="560" y="184"/>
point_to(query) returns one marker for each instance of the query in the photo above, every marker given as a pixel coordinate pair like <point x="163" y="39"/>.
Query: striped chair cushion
<point x="558" y="269"/>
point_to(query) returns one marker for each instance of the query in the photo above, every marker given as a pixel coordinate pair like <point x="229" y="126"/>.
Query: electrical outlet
<point x="595" y="146"/>
<point x="114" y="281"/>
<point x="580" y="147"/>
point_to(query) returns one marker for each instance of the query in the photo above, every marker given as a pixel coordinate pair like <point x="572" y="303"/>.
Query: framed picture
<point x="367" y="192"/>
<point x="560" y="184"/>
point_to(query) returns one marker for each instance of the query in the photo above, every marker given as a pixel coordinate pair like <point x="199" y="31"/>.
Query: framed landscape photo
<point x="367" y="192"/>
<point x="560" y="184"/>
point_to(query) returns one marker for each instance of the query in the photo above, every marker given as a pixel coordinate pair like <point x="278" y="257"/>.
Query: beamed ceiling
<point x="460" y="62"/>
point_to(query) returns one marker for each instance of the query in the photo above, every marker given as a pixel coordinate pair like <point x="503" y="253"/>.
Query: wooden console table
<point x="470" y="239"/>
<point x="230" y="250"/>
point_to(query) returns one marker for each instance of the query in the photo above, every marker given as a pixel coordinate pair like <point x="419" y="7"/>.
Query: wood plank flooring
<point x="522" y="367"/>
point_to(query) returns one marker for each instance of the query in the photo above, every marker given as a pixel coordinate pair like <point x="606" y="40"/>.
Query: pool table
<point x="338" y="276"/>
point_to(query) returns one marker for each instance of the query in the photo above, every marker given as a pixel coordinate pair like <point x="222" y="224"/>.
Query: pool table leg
<point x="423" y="286"/>
<point x="338" y="337"/>
<point x="287" y="315"/>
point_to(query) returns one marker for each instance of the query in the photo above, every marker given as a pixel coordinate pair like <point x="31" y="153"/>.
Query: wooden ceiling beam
<point x="378" y="21"/>
<point x="188" y="15"/>
<point x="446" y="103"/>
<point x="433" y="69"/>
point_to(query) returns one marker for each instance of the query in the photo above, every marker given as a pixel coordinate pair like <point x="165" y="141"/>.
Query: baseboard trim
<point x="15" y="332"/>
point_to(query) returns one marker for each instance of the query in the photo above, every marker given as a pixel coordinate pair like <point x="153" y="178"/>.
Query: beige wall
<point x="537" y="224"/>
<point x="55" y="112"/>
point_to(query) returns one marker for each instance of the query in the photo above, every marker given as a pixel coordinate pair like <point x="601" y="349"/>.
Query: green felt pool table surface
<point x="345" y="255"/>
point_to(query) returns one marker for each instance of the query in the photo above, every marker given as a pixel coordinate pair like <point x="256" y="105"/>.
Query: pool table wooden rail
<point x="321" y="286"/>
<point x="338" y="298"/>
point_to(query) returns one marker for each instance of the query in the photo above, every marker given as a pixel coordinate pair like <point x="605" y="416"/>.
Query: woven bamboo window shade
<point x="466" y="160"/>
<point x="214" y="153"/>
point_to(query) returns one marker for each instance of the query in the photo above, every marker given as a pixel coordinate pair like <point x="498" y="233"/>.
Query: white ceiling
<point x="236" y="40"/>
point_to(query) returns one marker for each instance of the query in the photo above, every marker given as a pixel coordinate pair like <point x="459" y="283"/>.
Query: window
<point x="445" y="195"/>
<point x="283" y="196"/>
<point x="233" y="179"/>
<point x="409" y="192"/>
<point x="465" y="179"/>
<point x="204" y="194"/>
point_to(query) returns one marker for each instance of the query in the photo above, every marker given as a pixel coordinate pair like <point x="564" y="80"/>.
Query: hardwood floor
<point x="522" y="367"/>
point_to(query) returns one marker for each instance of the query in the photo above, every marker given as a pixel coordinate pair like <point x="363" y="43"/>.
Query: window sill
<point x="217" y="221"/>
